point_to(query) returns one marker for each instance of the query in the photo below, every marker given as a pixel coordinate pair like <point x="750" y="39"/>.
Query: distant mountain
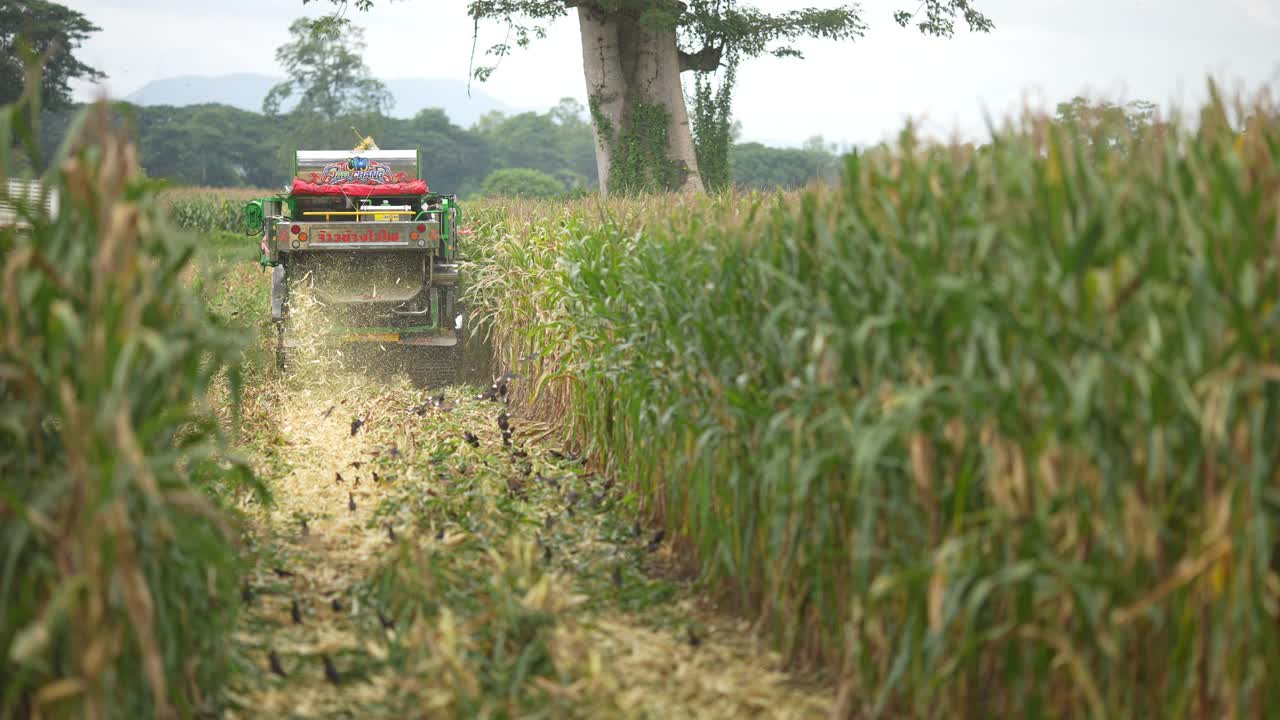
<point x="246" y="91"/>
<point x="241" y="90"/>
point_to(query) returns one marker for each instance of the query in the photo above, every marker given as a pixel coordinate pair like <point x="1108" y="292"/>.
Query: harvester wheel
<point x="280" y="349"/>
<point x="279" y="297"/>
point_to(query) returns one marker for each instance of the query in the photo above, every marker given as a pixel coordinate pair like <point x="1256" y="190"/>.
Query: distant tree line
<point x="222" y="146"/>
<point x="536" y="154"/>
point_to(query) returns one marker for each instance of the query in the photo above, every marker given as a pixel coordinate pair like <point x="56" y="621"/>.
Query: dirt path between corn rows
<point x="477" y="542"/>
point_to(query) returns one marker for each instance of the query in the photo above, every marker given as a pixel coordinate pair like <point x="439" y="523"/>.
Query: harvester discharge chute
<point x="361" y="233"/>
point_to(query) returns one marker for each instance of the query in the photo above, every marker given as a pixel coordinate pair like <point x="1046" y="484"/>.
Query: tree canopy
<point x="326" y="72"/>
<point x="1102" y="122"/>
<point x="557" y="142"/>
<point x="48" y="31"/>
<point x="709" y="27"/>
<point x="520" y="182"/>
<point x="760" y="167"/>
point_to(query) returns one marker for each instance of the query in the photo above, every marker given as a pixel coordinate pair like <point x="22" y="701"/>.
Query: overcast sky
<point x="1041" y="52"/>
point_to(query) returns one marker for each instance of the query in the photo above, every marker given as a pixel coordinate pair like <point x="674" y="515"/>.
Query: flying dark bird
<point x="330" y="672"/>
<point x="295" y="612"/>
<point x="336" y="604"/>
<point x="656" y="541"/>
<point x="355" y="425"/>
<point x="351" y="502"/>
<point x="617" y="576"/>
<point x="282" y="572"/>
<point x="337" y="477"/>
<point x="503" y="421"/>
<point x="387" y="623"/>
<point x="274" y="661"/>
<point x="471" y="439"/>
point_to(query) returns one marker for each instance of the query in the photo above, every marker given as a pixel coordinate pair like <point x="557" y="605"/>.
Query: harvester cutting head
<point x="373" y="245"/>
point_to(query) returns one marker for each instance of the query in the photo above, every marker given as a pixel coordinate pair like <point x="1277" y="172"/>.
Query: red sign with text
<point x="368" y="236"/>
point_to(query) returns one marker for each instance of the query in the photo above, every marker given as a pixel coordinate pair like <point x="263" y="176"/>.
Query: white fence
<point x="30" y="192"/>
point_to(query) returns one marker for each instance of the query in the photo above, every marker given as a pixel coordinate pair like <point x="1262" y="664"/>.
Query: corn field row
<point x="120" y="565"/>
<point x="985" y="432"/>
<point x="209" y="209"/>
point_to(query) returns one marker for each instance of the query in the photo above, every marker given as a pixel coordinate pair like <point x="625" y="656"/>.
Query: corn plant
<point x="984" y="433"/>
<point x="119" y="574"/>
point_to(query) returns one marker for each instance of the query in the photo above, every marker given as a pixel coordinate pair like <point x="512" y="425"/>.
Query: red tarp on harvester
<point x="411" y="187"/>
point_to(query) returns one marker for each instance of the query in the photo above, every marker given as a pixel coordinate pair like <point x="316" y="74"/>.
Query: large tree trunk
<point x="628" y="67"/>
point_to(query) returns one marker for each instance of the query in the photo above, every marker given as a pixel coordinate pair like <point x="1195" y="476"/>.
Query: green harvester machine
<point x="377" y="251"/>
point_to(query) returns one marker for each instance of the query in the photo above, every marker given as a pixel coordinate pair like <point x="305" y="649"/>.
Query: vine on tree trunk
<point x="639" y="154"/>
<point x="711" y="122"/>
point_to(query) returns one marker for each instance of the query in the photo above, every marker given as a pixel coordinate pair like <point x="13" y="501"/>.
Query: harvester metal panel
<point x="319" y="162"/>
